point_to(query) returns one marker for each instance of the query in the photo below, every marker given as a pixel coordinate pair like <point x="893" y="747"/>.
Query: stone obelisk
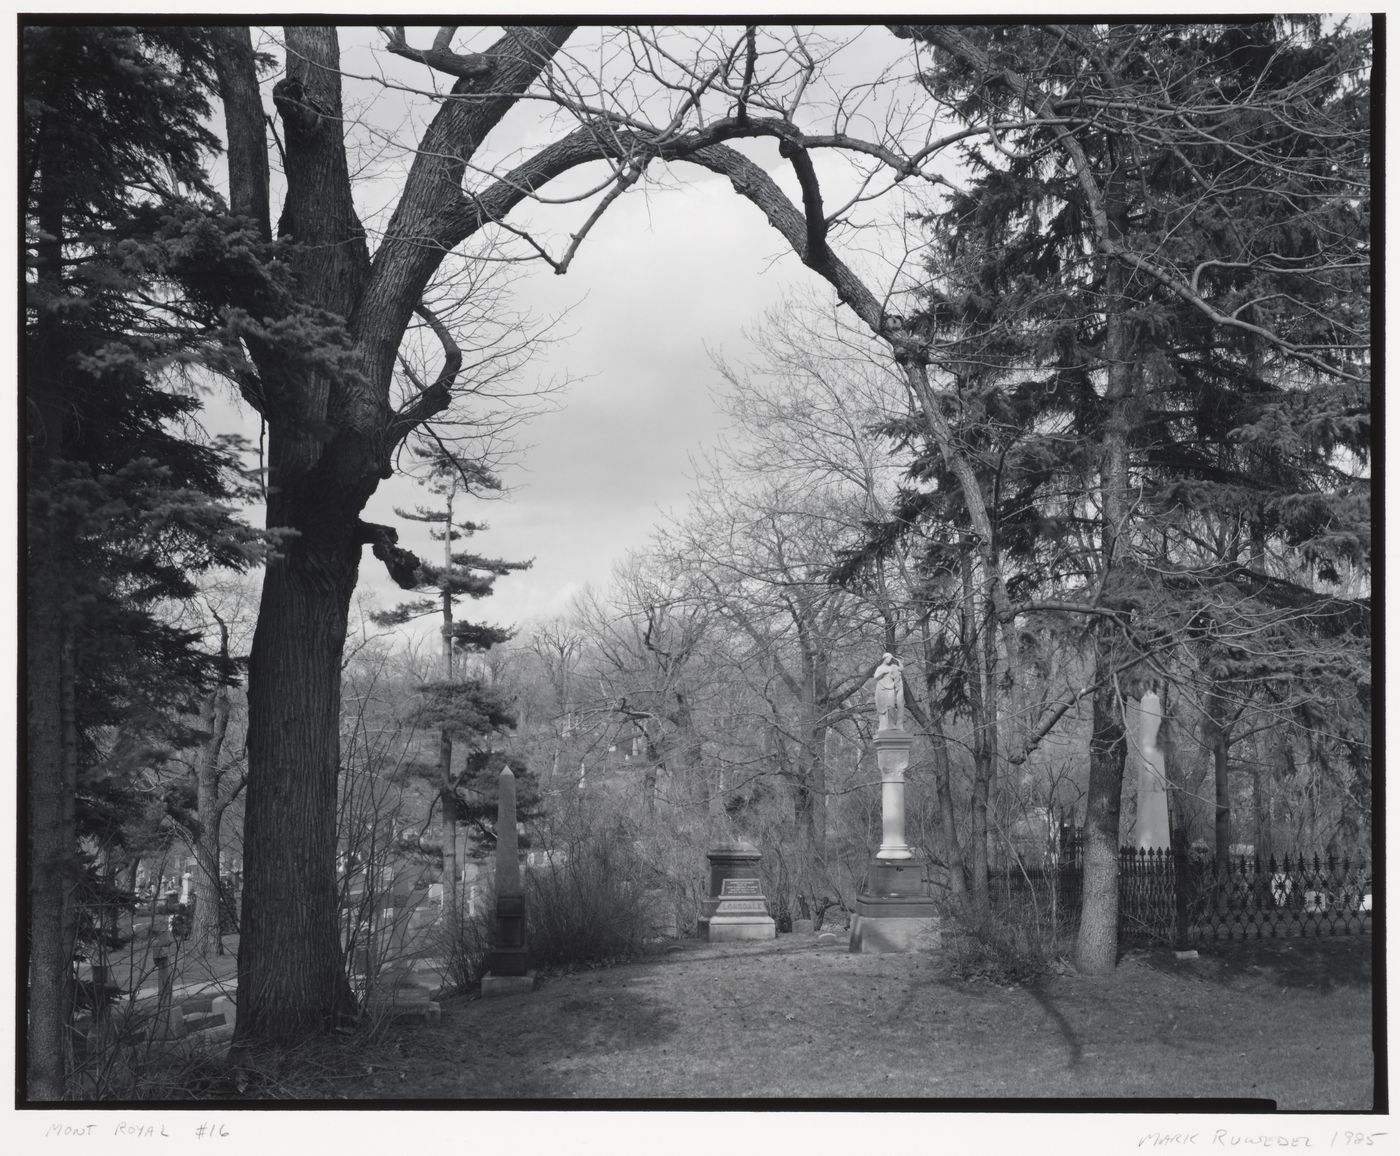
<point x="508" y="965"/>
<point x="894" y="910"/>
<point x="1152" y="823"/>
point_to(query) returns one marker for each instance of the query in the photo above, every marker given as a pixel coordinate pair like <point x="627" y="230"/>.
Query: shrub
<point x="462" y="942"/>
<point x="1023" y="938"/>
<point x="588" y="904"/>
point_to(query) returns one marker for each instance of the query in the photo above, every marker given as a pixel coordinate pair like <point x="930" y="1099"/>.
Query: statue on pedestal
<point x="889" y="694"/>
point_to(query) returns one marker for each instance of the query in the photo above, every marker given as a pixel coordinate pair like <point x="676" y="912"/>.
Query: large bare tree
<point x="332" y="429"/>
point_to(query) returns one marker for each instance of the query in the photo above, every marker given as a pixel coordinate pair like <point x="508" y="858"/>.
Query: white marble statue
<point x="889" y="694"/>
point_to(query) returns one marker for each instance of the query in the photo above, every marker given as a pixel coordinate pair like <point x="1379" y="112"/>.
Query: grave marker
<point x="736" y="908"/>
<point x="508" y="965"/>
<point x="894" y="910"/>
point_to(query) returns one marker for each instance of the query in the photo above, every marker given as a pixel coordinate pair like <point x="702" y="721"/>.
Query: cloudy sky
<point x="669" y="274"/>
<point x="661" y="281"/>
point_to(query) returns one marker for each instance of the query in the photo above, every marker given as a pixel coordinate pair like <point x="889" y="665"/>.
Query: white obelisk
<point x="1152" y="823"/>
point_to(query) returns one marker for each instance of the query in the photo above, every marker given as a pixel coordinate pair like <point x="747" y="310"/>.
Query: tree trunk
<point x="51" y="758"/>
<point x="323" y="464"/>
<point x="51" y="828"/>
<point x="1096" y="949"/>
<point x="291" y="977"/>
<point x="1276" y="766"/>
<point x="979" y="651"/>
<point x="952" y="849"/>
<point x="1218" y="740"/>
<point x="449" y="809"/>
<point x="943" y="779"/>
<point x="810" y="808"/>
<point x="209" y="806"/>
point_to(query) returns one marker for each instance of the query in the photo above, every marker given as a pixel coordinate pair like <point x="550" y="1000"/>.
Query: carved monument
<point x="894" y="910"/>
<point x="736" y="908"/>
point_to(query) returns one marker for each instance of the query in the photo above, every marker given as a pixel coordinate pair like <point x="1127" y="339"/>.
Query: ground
<point x="1286" y="1021"/>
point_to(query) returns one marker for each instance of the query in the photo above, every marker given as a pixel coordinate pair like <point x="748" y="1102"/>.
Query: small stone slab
<point x="828" y="939"/>
<point x="425" y="1011"/>
<point x="224" y="1006"/>
<point x="803" y="926"/>
<point x="496" y="985"/>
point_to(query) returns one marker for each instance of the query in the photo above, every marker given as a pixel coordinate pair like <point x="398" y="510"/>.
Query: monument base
<point x="727" y="928"/>
<point x="494" y="985"/>
<point x="873" y="934"/>
<point x="894" y="911"/>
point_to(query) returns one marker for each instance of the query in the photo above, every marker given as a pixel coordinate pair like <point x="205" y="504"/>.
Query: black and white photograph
<point x="789" y="572"/>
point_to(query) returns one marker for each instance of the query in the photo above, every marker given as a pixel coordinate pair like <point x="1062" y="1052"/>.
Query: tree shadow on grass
<point x="1325" y="965"/>
<point x="1071" y="1037"/>
<point x="548" y="1061"/>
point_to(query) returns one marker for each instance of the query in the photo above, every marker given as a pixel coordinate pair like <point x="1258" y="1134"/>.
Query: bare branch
<point x="471" y="66"/>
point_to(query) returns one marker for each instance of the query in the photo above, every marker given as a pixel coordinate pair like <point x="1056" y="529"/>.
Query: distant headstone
<point x="736" y="908"/>
<point x="508" y="965"/>
<point x="802" y="926"/>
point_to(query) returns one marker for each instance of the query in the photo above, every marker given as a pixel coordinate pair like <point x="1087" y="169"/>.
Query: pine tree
<point x="476" y="793"/>
<point x="467" y="711"/>
<point x="1153" y="297"/>
<point x="123" y="504"/>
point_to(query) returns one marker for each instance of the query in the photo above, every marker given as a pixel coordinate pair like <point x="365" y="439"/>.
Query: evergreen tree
<point x="124" y="502"/>
<point x="476" y="794"/>
<point x="1153" y="300"/>
<point x="465" y="710"/>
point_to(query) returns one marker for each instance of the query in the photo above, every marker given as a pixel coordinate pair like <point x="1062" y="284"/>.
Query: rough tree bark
<point x="51" y="827"/>
<point x="1096" y="946"/>
<point x="51" y="783"/>
<point x="331" y="432"/>
<point x="1217" y="731"/>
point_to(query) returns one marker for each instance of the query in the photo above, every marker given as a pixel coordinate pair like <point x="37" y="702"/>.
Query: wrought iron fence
<point x="1182" y="898"/>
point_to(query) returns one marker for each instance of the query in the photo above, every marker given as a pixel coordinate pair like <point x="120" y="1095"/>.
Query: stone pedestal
<point x="895" y="910"/>
<point x="892" y="757"/>
<point x="736" y="908"/>
<point x="509" y="955"/>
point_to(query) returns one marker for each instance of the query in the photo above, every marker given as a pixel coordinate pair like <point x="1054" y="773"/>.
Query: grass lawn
<point x="1288" y="1021"/>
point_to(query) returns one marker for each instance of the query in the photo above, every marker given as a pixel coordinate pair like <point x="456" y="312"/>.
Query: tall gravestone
<point x="508" y="965"/>
<point x="1152" y="814"/>
<point x="894" y="910"/>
